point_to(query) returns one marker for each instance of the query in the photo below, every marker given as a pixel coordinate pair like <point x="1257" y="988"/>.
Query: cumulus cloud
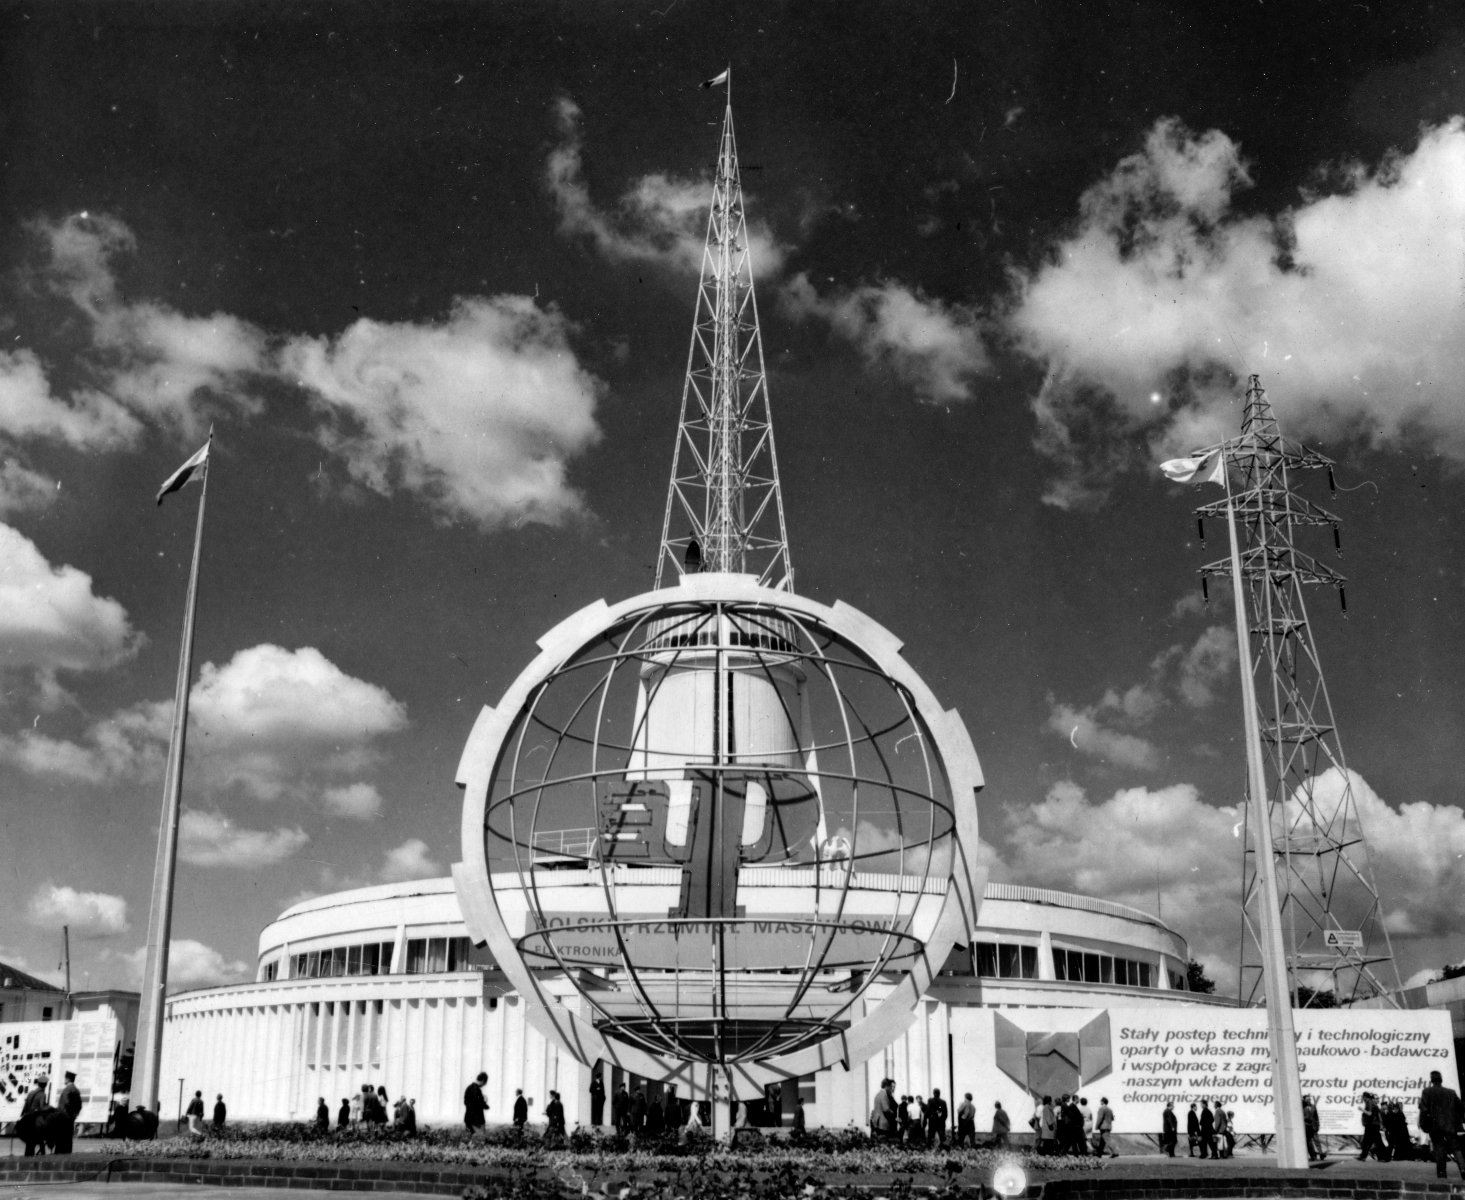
<point x="478" y="415"/>
<point x="359" y="801"/>
<point x="271" y="721"/>
<point x="51" y="619"/>
<point x="1416" y="852"/>
<point x="1130" y="847"/>
<point x="210" y="839"/>
<point x="130" y="744"/>
<point x="410" y="860"/>
<point x="934" y="347"/>
<point x="659" y="219"/>
<point x="28" y="409"/>
<point x="1161" y="298"/>
<point x="88" y="914"/>
<point x="191" y="964"/>
<point x="1108" y="729"/>
<point x="148" y="358"/>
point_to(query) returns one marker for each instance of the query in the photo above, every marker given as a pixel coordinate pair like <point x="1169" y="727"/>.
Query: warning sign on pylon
<point x="1344" y="939"/>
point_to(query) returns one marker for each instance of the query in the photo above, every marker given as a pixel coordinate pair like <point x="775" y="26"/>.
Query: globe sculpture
<point x="720" y="827"/>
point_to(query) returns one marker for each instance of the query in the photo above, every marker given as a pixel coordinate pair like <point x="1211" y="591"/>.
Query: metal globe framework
<point x="733" y="819"/>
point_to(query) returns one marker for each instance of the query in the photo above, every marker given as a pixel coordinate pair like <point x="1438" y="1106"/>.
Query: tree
<point x="1196" y="979"/>
<point x="1449" y="972"/>
<point x="1316" y="997"/>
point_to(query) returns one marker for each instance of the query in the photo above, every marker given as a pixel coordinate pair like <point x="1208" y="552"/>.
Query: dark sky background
<point x="422" y="268"/>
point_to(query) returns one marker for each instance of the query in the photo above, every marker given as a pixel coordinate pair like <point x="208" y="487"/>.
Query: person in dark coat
<point x="638" y="1110"/>
<point x="1396" y="1130"/>
<point x="35" y="1104"/>
<point x="1207" y="1131"/>
<point x="1439" y="1119"/>
<point x="554" y="1118"/>
<point x="1001" y="1126"/>
<point x="1310" y="1126"/>
<point x="343" y="1117"/>
<point x="620" y="1110"/>
<point x="521" y="1110"/>
<point x="1192" y="1129"/>
<point x="597" y="1100"/>
<point x="474" y="1105"/>
<point x="671" y="1117"/>
<point x="1373" y="1126"/>
<point x="1169" y="1129"/>
<point x="221" y="1112"/>
<point x="799" y="1125"/>
<point x="936" y="1115"/>
<point x="655" y="1116"/>
<point x="322" y="1116"/>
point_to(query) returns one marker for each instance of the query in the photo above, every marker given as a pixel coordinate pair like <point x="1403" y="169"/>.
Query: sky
<point x="428" y="272"/>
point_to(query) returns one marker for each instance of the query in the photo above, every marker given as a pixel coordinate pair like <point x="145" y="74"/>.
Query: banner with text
<point x="1140" y="1058"/>
<point x="31" y="1049"/>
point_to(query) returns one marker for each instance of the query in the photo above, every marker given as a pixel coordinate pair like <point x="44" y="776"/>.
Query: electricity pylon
<point x="1332" y="920"/>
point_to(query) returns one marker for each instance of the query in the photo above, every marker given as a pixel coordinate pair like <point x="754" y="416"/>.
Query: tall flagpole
<point x="1286" y="1082"/>
<point x="149" y="1054"/>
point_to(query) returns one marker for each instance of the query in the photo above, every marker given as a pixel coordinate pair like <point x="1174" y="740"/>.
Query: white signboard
<point x="30" y="1049"/>
<point x="1141" y="1057"/>
<point x="1344" y="939"/>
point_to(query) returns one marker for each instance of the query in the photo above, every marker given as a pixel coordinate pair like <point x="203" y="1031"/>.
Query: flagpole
<point x="1286" y="1081"/>
<point x="149" y="1053"/>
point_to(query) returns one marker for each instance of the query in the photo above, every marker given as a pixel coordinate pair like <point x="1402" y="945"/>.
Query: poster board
<point x="1141" y="1057"/>
<point x="30" y="1049"/>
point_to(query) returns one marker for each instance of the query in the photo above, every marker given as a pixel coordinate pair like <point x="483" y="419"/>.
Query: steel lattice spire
<point x="1332" y="920"/>
<point x="724" y="475"/>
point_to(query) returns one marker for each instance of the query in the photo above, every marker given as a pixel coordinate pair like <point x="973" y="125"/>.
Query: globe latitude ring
<point x="644" y="1011"/>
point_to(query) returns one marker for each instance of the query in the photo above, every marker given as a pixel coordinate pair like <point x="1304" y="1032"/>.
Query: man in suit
<point x="597" y="1100"/>
<point x="620" y="1110"/>
<point x="1207" y="1131"/>
<point x="882" y="1112"/>
<point x="936" y="1113"/>
<point x="1439" y="1118"/>
<point x="521" y="1110"/>
<point x="474" y="1105"/>
<point x="69" y="1102"/>
<point x="1169" y="1129"/>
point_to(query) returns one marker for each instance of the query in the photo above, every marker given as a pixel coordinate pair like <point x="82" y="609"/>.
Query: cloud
<point x="129" y="744"/>
<point x="410" y="860"/>
<point x="1416" y="852"/>
<point x="659" y="219"/>
<point x="213" y="840"/>
<point x="271" y="721"/>
<point x="359" y="801"/>
<point x="191" y="964"/>
<point x="935" y="347"/>
<point x="51" y="619"/>
<point x="1088" y="736"/>
<point x="1161" y="298"/>
<point x="23" y="490"/>
<point x="28" y="409"/>
<point x="148" y="357"/>
<point x="88" y="914"/>
<point x="478" y="415"/>
<point x="1127" y="848"/>
<point x="1187" y="674"/>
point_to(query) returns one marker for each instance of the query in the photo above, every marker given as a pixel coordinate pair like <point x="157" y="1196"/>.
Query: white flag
<point x="1209" y="468"/>
<point x="192" y="469"/>
<point x="716" y="79"/>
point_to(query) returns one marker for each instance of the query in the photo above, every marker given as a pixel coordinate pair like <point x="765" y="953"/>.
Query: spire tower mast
<point x="1332" y="921"/>
<point x="724" y="477"/>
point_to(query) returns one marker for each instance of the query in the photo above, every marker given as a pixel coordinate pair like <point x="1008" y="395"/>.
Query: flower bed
<point x="590" y="1160"/>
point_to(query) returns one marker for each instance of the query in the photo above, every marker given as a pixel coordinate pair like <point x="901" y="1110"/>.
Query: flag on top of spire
<point x="716" y="79"/>
<point x="193" y="468"/>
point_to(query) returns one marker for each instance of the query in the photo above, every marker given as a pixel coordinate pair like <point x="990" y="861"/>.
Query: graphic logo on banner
<point x="1051" y="1063"/>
